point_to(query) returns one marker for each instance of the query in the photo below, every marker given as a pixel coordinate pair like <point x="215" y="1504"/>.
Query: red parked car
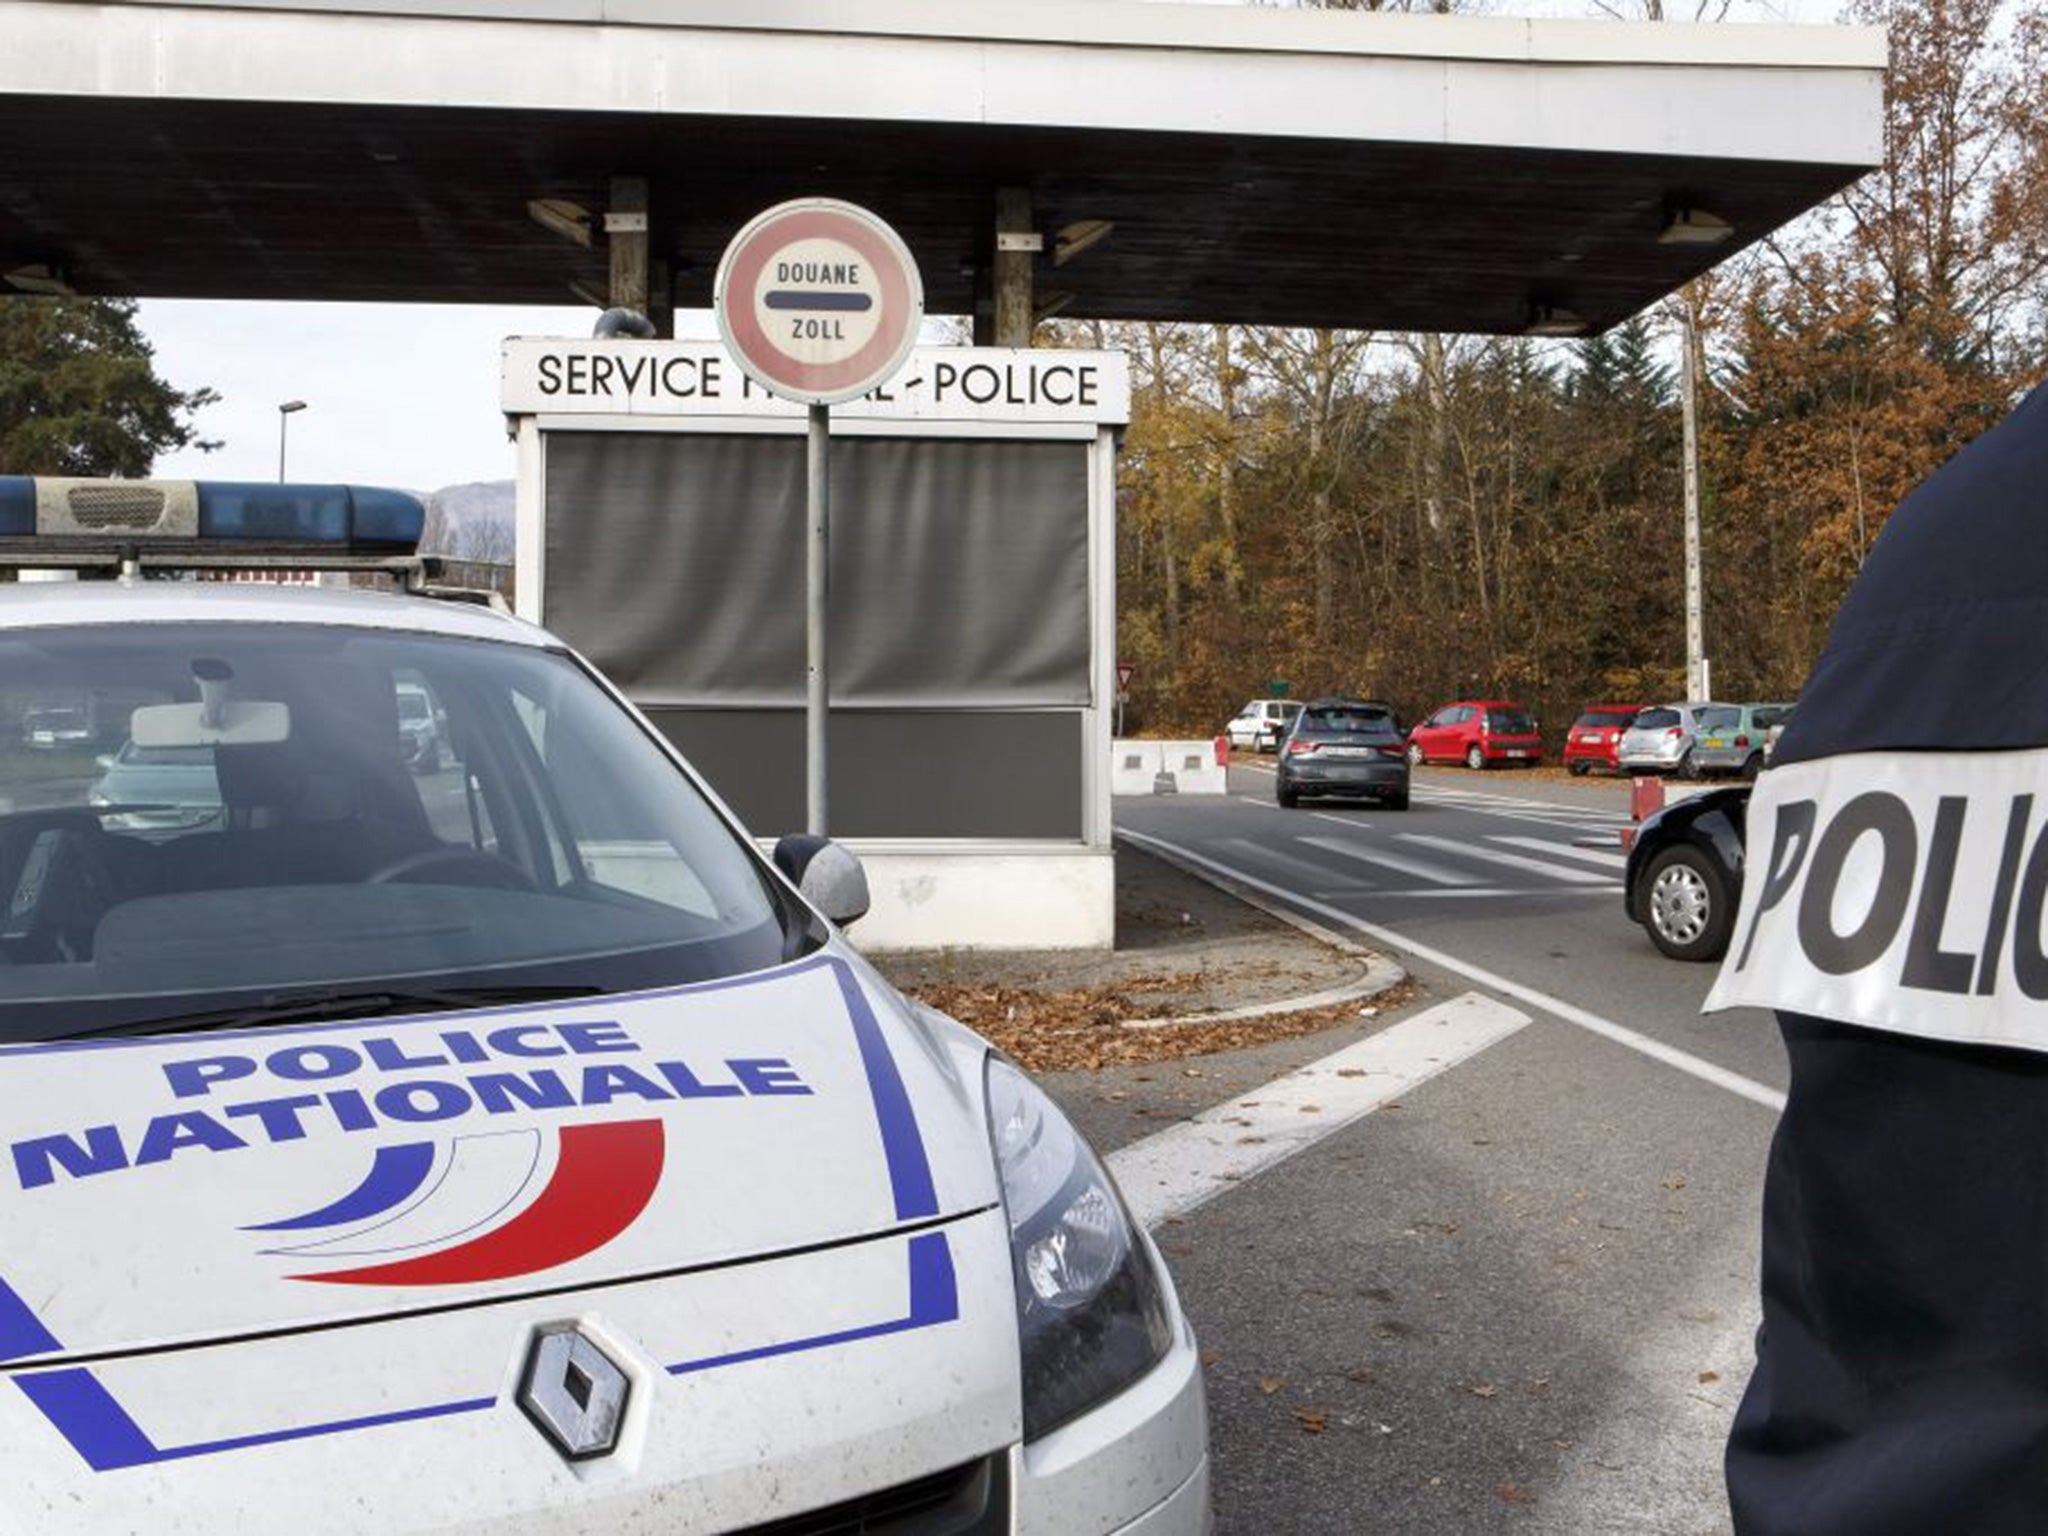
<point x="1477" y="733"/>
<point x="1594" y="741"/>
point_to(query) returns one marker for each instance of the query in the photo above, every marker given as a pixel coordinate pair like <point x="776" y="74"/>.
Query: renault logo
<point x="573" y="1392"/>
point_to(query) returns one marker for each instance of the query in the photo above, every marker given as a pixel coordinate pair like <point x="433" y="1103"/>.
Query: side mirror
<point x="829" y="876"/>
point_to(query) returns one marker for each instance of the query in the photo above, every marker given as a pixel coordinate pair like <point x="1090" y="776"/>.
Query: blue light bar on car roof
<point x="17" y="505"/>
<point x="235" y="515"/>
<point x="355" y="515"/>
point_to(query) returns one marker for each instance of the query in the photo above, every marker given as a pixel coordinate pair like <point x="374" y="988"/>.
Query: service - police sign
<point x="612" y="377"/>
<point x="819" y="300"/>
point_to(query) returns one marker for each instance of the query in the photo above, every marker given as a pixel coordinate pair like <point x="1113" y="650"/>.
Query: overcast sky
<point x="407" y="395"/>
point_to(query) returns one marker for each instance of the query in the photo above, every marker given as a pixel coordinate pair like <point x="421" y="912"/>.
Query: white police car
<point x="507" y="1146"/>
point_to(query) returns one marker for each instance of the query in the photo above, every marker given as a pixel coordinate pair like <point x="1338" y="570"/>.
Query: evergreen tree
<point x="79" y="391"/>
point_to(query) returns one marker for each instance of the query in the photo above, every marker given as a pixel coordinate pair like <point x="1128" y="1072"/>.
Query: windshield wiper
<point x="319" y="1007"/>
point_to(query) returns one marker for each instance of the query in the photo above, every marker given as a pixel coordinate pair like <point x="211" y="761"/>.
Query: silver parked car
<point x="142" y="789"/>
<point x="1662" y="740"/>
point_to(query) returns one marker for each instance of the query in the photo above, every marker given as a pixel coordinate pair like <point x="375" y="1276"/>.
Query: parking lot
<point x="1508" y="1282"/>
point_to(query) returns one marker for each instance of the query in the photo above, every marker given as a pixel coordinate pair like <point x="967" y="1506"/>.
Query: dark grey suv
<point x="1350" y="747"/>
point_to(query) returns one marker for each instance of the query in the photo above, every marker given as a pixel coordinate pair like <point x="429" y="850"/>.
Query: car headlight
<point x="1091" y="1314"/>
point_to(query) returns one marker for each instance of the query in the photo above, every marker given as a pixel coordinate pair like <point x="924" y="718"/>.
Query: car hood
<point x="171" y="1190"/>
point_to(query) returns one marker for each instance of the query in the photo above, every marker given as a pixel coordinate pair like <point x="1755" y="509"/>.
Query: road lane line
<point x="1421" y="869"/>
<point x="1544" y="845"/>
<point x="1184" y="1166"/>
<point x="1684" y="1061"/>
<point x="1342" y="821"/>
<point x="1506" y="860"/>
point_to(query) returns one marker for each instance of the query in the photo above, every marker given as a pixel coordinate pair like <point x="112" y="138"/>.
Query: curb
<point x="1381" y="973"/>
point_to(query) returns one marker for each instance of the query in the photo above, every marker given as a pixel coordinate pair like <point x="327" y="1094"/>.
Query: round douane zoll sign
<point x="819" y="300"/>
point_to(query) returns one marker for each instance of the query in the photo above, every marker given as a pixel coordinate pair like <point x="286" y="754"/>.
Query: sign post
<point x="819" y="301"/>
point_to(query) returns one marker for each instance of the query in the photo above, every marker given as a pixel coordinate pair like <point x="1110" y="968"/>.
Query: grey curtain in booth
<point x="959" y="569"/>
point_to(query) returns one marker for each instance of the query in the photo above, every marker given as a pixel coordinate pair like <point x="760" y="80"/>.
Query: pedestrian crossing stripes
<point x="1521" y="809"/>
<point x="1506" y="860"/>
<point x="1600" y="856"/>
<point x="1386" y="858"/>
<point x="1375" y="860"/>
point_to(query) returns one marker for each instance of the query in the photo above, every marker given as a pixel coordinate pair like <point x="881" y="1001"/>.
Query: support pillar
<point x="1017" y="247"/>
<point x="625" y="229"/>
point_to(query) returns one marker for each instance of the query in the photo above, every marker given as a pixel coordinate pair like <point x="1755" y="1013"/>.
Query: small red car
<point x="1594" y="741"/>
<point x="1477" y="733"/>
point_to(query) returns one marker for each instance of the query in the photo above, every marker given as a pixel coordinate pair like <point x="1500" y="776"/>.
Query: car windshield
<point x="1604" y="719"/>
<point x="246" y="823"/>
<point x="1510" y="722"/>
<point x="1656" y="719"/>
<point x="1346" y="720"/>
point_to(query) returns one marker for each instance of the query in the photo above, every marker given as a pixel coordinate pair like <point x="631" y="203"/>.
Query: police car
<point x="506" y="1146"/>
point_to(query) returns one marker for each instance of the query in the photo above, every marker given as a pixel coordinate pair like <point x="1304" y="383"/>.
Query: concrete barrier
<point x="1167" y="768"/>
<point x="1133" y="765"/>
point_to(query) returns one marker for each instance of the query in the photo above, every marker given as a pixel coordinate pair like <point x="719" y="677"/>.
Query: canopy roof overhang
<point x="1258" y="166"/>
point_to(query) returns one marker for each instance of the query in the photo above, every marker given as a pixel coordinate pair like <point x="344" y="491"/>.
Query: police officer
<point x="1893" y="915"/>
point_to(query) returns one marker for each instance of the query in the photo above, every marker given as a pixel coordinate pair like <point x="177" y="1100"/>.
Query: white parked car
<point x="1261" y="724"/>
<point x="517" y="1151"/>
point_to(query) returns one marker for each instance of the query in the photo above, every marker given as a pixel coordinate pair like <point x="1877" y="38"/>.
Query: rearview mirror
<point x="236" y="723"/>
<point x="828" y="874"/>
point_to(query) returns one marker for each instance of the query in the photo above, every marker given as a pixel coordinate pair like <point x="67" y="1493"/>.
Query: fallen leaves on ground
<point x="1313" y="1421"/>
<point x="1271" y="1384"/>
<point x="1483" y="1389"/>
<point x="1081" y="1029"/>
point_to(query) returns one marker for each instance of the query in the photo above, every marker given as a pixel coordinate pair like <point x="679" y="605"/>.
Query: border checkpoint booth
<point x="660" y="531"/>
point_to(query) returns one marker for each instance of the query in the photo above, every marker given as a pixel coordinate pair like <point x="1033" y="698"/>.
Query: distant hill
<point x="470" y="522"/>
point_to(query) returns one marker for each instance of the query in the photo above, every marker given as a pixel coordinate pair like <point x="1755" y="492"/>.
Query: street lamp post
<point x="283" y="411"/>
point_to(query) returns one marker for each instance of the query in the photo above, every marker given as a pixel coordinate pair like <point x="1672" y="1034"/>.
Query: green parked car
<point x="1732" y="736"/>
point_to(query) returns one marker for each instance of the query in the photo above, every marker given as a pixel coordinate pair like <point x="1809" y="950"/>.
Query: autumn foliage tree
<point x="1418" y="518"/>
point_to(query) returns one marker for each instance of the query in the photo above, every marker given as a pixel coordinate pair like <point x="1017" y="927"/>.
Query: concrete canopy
<point x="1259" y="166"/>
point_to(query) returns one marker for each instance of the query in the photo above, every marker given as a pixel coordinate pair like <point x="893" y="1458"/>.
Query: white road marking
<point x="1184" y="1166"/>
<point x="1307" y="869"/>
<point x="1557" y="1007"/>
<point x="1544" y="845"/>
<point x="1506" y="860"/>
<point x="1421" y="869"/>
<point x="1547" y="815"/>
<point x="1563" y="821"/>
<point x="1479" y="799"/>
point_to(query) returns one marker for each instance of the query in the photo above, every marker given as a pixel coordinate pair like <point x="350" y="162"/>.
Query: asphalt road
<point x="1520" y="1296"/>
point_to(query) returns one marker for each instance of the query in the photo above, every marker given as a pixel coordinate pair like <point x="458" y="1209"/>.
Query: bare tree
<point x="487" y="540"/>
